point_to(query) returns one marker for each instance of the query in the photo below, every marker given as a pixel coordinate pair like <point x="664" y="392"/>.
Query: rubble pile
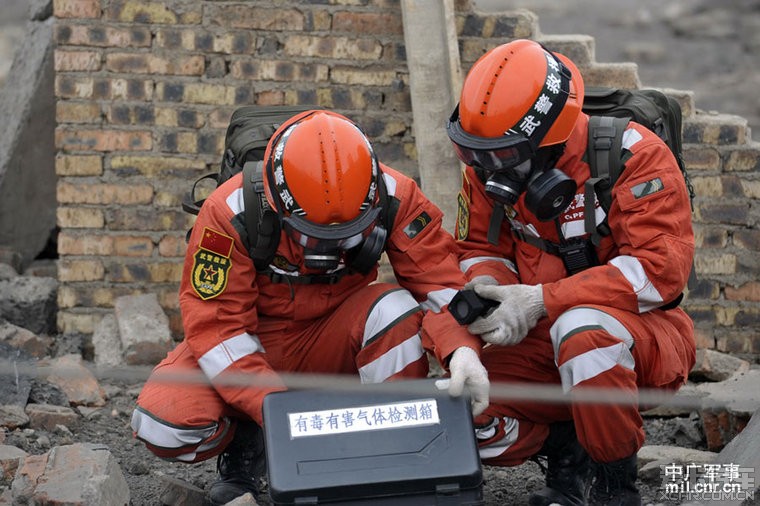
<point x="64" y="411"/>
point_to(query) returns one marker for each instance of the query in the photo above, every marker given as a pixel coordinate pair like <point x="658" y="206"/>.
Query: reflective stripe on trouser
<point x="594" y="347"/>
<point x="183" y="422"/>
<point x="374" y="333"/>
<point x="519" y="428"/>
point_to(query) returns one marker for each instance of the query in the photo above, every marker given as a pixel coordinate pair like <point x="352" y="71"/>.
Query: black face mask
<point x="321" y="260"/>
<point x="548" y="192"/>
<point x="361" y="258"/>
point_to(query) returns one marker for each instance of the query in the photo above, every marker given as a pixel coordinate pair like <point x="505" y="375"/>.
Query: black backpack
<point x="611" y="109"/>
<point x="245" y="143"/>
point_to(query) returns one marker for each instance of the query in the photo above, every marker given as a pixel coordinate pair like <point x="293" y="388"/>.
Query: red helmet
<point x="321" y="176"/>
<point x="516" y="98"/>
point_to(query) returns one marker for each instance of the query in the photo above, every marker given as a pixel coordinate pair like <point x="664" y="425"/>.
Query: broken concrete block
<point x="77" y="382"/>
<point x="48" y="416"/>
<point x="107" y="344"/>
<point x="30" y="302"/>
<point x="77" y="475"/>
<point x="728" y="406"/>
<point x="144" y="329"/>
<point x="713" y="365"/>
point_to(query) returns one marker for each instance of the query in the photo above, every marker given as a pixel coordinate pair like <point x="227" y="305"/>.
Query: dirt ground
<point x="143" y="471"/>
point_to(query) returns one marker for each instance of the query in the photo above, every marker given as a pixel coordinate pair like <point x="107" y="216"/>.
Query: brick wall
<point x="145" y="88"/>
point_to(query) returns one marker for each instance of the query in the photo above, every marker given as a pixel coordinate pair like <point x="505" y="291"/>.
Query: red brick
<point x="70" y="243"/>
<point x="103" y="140"/>
<point x="144" y="63"/>
<point x="172" y="246"/>
<point x="78" y="165"/>
<point x="368" y="23"/>
<point x="76" y="60"/>
<point x="77" y="112"/>
<point x="76" y="8"/>
<point x="746" y="292"/>
<point x="69" y="193"/>
<point x="246" y="16"/>
<point x="102" y="36"/>
<point x="152" y="12"/>
<point x="133" y="246"/>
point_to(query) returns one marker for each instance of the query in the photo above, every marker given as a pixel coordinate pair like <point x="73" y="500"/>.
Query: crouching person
<point x="316" y="308"/>
<point x="574" y="310"/>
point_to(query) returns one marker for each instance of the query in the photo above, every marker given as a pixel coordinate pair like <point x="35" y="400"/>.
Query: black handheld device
<point x="467" y="305"/>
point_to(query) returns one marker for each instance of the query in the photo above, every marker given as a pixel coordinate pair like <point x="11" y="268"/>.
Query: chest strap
<point x="309" y="279"/>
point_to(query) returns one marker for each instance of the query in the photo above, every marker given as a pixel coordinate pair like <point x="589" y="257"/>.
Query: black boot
<point x="567" y="470"/>
<point x="240" y="466"/>
<point x="615" y="483"/>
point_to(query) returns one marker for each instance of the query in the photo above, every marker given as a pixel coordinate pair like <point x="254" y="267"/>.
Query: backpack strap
<point x="604" y="151"/>
<point x="262" y="223"/>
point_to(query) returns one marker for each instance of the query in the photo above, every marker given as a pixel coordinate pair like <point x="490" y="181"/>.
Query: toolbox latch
<point x="447" y="489"/>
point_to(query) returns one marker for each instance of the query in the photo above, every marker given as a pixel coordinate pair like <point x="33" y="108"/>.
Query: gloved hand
<point x="520" y="307"/>
<point x="466" y="369"/>
<point x="485" y="279"/>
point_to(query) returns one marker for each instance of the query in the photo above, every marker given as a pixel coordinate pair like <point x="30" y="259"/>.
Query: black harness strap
<point x="261" y="221"/>
<point x="604" y="152"/>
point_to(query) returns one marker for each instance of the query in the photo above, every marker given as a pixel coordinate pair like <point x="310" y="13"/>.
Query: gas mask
<point x="360" y="241"/>
<point x="548" y="191"/>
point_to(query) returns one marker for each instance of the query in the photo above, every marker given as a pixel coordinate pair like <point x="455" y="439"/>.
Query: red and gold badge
<point x="212" y="264"/>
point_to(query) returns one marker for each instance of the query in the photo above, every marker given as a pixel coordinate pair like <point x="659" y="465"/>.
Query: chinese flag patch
<point x="216" y="242"/>
<point x="212" y="264"/>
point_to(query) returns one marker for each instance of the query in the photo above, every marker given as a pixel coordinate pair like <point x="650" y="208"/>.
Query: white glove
<point x="466" y="369"/>
<point x="485" y="279"/>
<point x="520" y="307"/>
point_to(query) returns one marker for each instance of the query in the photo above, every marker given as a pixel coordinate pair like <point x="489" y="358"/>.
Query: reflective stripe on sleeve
<point x="630" y="137"/>
<point x="646" y="294"/>
<point x="391" y="307"/>
<point x="390" y="184"/>
<point x="224" y="354"/>
<point x="235" y="201"/>
<point x="392" y="361"/>
<point x="465" y="265"/>
<point x="596" y="361"/>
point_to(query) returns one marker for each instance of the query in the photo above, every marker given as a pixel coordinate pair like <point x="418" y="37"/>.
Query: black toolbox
<point x="397" y="443"/>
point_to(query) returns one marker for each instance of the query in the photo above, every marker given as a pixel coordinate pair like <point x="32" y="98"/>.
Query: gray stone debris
<point x="29" y="302"/>
<point x="716" y="366"/>
<point x="78" y="474"/>
<point x="143" y="328"/>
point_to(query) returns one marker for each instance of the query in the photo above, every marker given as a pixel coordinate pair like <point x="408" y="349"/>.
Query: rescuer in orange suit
<point x="316" y="308"/>
<point x="573" y="312"/>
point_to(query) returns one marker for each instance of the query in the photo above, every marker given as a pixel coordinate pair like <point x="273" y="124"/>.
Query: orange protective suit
<point x="239" y="321"/>
<point x="604" y="326"/>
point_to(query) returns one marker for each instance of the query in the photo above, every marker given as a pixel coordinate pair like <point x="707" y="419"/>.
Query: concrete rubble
<point x="54" y="391"/>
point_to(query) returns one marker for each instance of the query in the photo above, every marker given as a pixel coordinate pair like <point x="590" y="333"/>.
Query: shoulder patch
<point x="211" y="264"/>
<point x="417" y="225"/>
<point x="463" y="217"/>
<point x="647" y="188"/>
<point x="462" y="226"/>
